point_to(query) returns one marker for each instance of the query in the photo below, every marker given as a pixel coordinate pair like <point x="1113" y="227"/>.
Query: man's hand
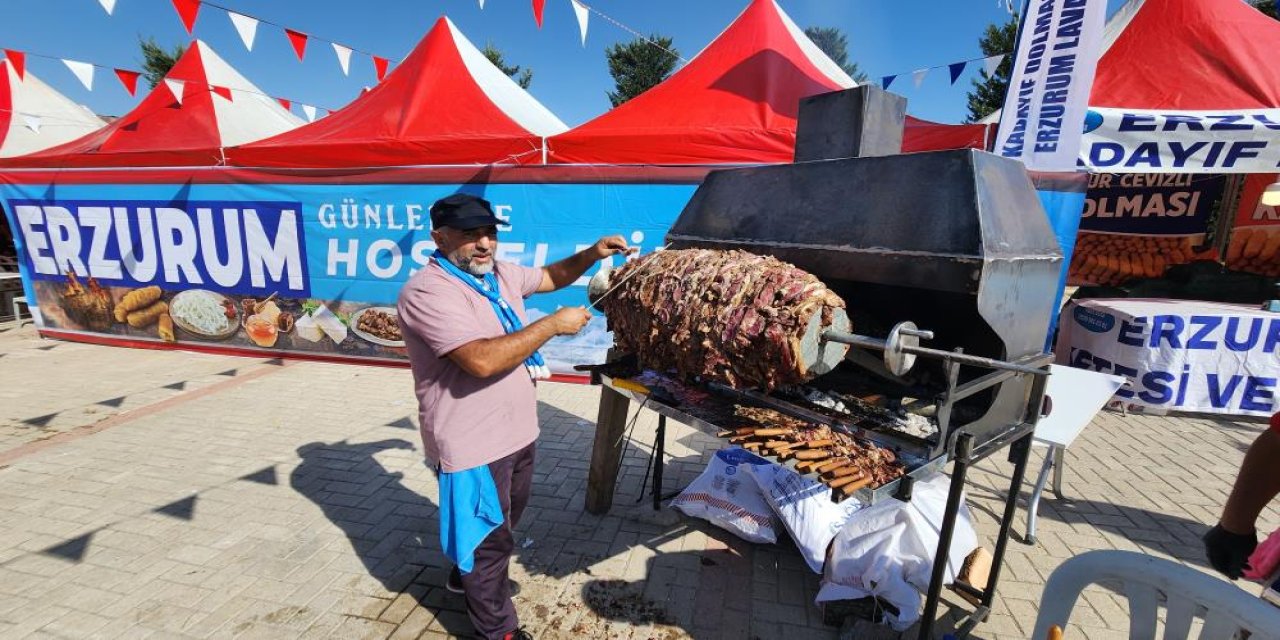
<point x="1229" y="552"/>
<point x="570" y="320"/>
<point x="611" y="246"/>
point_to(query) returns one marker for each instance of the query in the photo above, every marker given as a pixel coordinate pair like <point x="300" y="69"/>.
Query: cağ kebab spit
<point x="734" y="317"/>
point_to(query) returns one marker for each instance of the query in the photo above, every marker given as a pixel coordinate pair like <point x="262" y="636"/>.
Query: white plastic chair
<point x="1150" y="583"/>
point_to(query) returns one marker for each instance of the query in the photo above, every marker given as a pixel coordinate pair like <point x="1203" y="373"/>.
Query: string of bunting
<point x="956" y="69"/>
<point x="85" y="72"/>
<point x="247" y="27"/>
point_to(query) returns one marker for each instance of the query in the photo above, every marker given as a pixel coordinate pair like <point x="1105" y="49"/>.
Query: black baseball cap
<point x="463" y="211"/>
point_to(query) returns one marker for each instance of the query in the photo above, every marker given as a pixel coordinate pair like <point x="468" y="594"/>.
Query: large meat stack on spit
<point x="727" y="316"/>
<point x="843" y="462"/>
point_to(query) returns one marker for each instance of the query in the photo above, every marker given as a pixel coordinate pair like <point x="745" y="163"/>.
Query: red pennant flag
<point x="187" y="10"/>
<point x="299" y="41"/>
<point x="284" y="102"/>
<point x="129" y="79"/>
<point x="380" y="66"/>
<point x="222" y="91"/>
<point x="19" y="61"/>
<point x="538" y="6"/>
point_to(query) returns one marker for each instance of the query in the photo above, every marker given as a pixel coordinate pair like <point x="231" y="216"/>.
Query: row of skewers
<point x="840" y="460"/>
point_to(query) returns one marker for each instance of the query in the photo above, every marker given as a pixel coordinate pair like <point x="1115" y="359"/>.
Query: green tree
<point x="523" y="77"/>
<point x="1267" y="7"/>
<point x="156" y="61"/>
<point x="835" y="44"/>
<point x="988" y="91"/>
<point x="639" y="65"/>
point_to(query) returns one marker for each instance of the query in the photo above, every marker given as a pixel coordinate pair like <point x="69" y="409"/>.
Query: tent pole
<point x="544" y="151"/>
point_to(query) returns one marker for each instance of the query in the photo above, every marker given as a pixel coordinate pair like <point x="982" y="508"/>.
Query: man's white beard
<point x="477" y="270"/>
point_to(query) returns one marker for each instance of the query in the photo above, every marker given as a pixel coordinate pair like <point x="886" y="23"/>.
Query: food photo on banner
<point x="293" y="269"/>
<point x="1255" y="239"/>
<point x="1139" y="225"/>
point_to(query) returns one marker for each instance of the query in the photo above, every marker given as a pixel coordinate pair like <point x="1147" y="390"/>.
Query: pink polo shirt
<point x="466" y="421"/>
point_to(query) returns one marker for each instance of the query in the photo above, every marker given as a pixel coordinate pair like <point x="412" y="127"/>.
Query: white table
<point x="1075" y="397"/>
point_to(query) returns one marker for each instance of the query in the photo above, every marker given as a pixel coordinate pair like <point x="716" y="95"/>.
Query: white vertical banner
<point x="1044" y="111"/>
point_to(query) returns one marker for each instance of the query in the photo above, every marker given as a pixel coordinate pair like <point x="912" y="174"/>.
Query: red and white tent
<point x="33" y="116"/>
<point x="446" y="104"/>
<point x="202" y="106"/>
<point x="1189" y="55"/>
<point x="735" y="102"/>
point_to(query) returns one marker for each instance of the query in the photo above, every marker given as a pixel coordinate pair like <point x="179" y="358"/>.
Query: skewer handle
<point x="813" y="454"/>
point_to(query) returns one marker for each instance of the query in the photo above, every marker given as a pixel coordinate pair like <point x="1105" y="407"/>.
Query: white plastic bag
<point x="887" y="551"/>
<point x="726" y="495"/>
<point x="805" y="507"/>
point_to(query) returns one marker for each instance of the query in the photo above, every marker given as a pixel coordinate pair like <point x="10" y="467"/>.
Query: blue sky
<point x="886" y="37"/>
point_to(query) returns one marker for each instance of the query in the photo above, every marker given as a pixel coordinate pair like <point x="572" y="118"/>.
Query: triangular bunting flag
<point x="129" y="79"/>
<point x="956" y="69"/>
<point x="83" y="71"/>
<point x="380" y="66"/>
<point x="32" y="122"/>
<point x="580" y="10"/>
<point x="917" y="76"/>
<point x="176" y="88"/>
<point x="538" y="6"/>
<point x="886" y="81"/>
<point x="19" y="61"/>
<point x="344" y="58"/>
<point x="247" y="28"/>
<point x="187" y="10"/>
<point x="299" y="41"/>
<point x="285" y="102"/>
<point x="482" y="5"/>
<point x="309" y="111"/>
<point x="990" y="65"/>
<point x="109" y="5"/>
<point x="222" y="91"/>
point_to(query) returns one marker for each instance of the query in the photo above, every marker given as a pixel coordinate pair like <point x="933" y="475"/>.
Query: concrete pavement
<point x="165" y="494"/>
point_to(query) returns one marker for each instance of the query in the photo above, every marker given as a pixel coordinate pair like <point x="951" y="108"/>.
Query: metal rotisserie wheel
<point x="739" y="318"/>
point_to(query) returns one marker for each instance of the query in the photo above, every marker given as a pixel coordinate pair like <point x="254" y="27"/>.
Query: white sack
<point x="804" y="505"/>
<point x="887" y="551"/>
<point x="726" y="495"/>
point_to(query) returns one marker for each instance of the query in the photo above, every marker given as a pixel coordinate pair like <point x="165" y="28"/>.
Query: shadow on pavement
<point x="392" y="529"/>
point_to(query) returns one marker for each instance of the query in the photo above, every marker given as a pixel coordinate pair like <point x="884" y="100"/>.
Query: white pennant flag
<point x="917" y="76"/>
<point x="83" y="71"/>
<point x="989" y="65"/>
<point x="309" y="111"/>
<point x="580" y="10"/>
<point x="32" y="122"/>
<point x="482" y="5"/>
<point x="109" y="5"/>
<point x="344" y="58"/>
<point x="175" y="87"/>
<point x="247" y="28"/>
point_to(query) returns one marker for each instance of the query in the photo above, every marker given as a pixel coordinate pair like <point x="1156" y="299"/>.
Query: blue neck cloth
<point x="487" y="286"/>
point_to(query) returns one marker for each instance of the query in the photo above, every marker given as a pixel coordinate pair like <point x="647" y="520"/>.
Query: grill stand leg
<point x="606" y="453"/>
<point x="659" y="448"/>
<point x="964" y="449"/>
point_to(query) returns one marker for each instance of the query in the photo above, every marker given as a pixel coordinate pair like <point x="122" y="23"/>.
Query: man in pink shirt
<point x="475" y="362"/>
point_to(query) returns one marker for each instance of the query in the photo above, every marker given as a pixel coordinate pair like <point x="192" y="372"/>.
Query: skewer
<point x="848" y="480"/>
<point x="774" y="432"/>
<point x="813" y="454"/>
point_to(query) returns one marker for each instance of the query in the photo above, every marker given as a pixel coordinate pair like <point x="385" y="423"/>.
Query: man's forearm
<point x="492" y="356"/>
<point x="567" y="271"/>
<point x="1256" y="486"/>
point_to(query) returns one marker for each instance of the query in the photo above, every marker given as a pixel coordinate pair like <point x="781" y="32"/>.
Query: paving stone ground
<point x="177" y="495"/>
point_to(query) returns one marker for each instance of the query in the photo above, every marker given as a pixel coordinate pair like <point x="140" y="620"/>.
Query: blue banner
<point x="322" y="250"/>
